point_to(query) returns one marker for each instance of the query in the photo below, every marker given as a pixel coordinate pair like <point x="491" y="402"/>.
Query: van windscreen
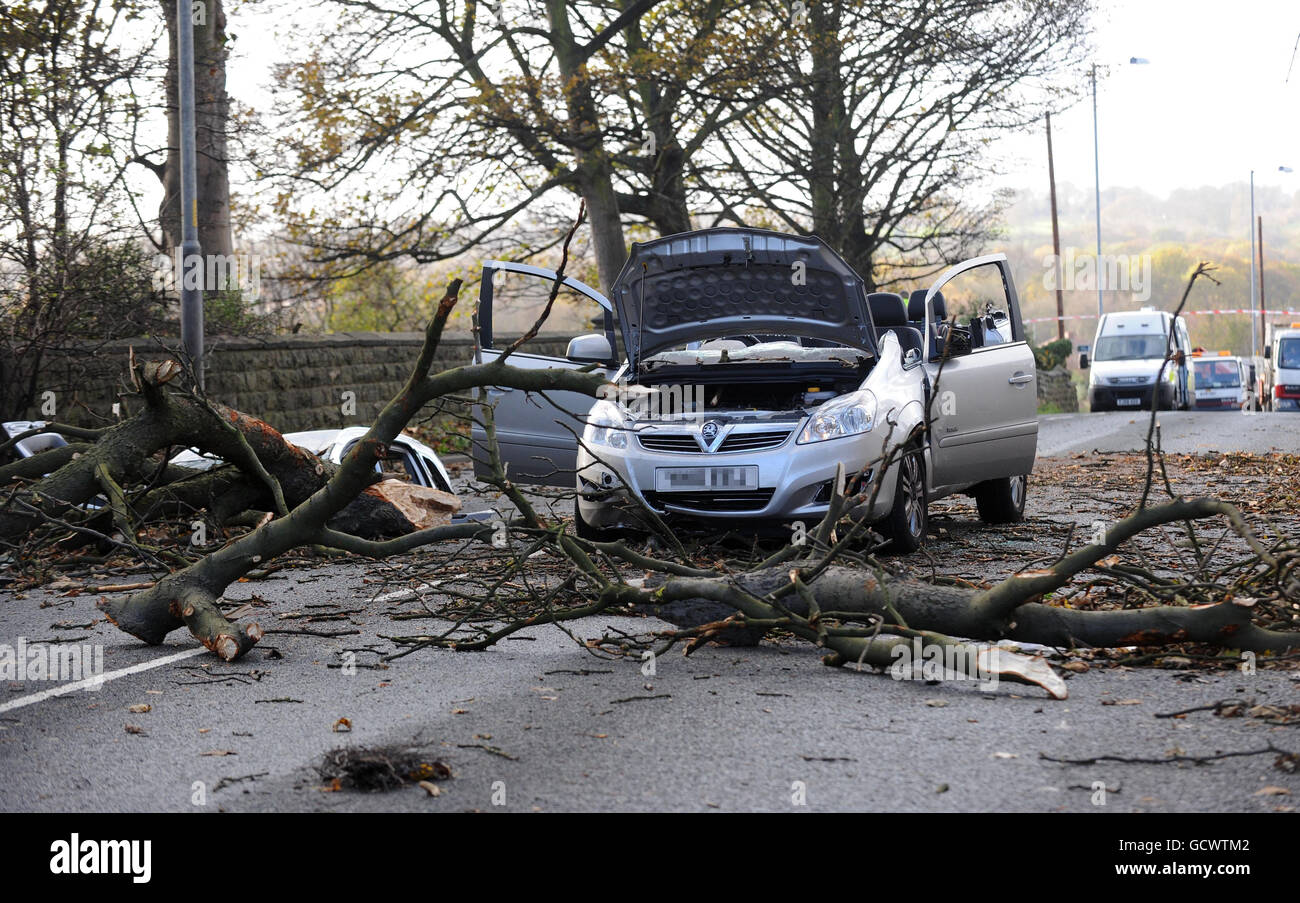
<point x="1288" y="354"/>
<point x="1217" y="375"/>
<point x="1130" y="347"/>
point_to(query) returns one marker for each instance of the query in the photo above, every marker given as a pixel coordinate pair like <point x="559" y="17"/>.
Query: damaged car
<point x="407" y="458"/>
<point x="756" y="369"/>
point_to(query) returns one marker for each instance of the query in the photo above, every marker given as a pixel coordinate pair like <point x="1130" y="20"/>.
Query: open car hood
<point x="737" y="281"/>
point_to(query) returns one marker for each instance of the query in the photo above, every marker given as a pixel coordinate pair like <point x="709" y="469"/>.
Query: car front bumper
<point x="794" y="483"/>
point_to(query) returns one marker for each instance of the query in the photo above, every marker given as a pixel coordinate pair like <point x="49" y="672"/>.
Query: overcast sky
<point x="1212" y="104"/>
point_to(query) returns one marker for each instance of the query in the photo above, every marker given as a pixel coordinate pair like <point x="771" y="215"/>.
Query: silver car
<point x="757" y="371"/>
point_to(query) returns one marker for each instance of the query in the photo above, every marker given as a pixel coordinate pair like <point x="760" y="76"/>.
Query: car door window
<point x="536" y="434"/>
<point x="978" y="298"/>
<point x="983" y="404"/>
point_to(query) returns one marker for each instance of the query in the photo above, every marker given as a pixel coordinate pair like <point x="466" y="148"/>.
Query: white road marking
<point x="93" y="682"/>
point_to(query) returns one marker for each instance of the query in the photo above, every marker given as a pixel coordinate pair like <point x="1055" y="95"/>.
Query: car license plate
<point x="693" y="479"/>
<point x="1128" y="402"/>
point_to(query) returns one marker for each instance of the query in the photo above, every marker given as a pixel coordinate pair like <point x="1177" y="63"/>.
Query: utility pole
<point x="1254" y="326"/>
<point x="1262" y="316"/>
<point x="191" y="254"/>
<point x="1056" y="235"/>
<point x="1096" y="169"/>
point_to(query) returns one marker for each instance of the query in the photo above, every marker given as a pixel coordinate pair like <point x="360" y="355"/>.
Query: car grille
<point x="754" y="441"/>
<point x="749" y="500"/>
<point x="685" y="443"/>
<point x="670" y="442"/>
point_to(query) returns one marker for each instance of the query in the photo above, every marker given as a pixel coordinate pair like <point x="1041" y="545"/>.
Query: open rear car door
<point x="536" y="434"/>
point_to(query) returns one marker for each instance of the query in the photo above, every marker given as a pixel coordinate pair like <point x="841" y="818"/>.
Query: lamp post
<point x="1096" y="167"/>
<point x="191" y="294"/>
<point x="1257" y="259"/>
<point x="1254" y="326"/>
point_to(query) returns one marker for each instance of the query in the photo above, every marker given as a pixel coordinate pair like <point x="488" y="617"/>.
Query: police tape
<point x="1267" y="313"/>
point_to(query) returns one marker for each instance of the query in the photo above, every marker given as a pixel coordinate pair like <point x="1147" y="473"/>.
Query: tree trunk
<point x="123" y="455"/>
<point x="211" y="111"/>
<point x="594" y="169"/>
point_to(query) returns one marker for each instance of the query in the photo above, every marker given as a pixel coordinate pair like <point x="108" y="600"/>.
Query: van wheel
<point x="908" y="520"/>
<point x="1002" y="501"/>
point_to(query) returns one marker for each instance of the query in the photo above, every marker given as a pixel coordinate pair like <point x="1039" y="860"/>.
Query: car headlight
<point x="606" y="425"/>
<point x="847" y="415"/>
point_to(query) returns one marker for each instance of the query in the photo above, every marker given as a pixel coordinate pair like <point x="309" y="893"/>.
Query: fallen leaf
<point x="1272" y="790"/>
<point x="219" y="752"/>
<point x="936" y="703"/>
<point x="134" y="729"/>
<point x="139" y="708"/>
<point x="430" y="788"/>
<point x="343" y="726"/>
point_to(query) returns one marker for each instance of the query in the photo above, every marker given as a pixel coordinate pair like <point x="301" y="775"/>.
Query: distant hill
<point x="1164" y="237"/>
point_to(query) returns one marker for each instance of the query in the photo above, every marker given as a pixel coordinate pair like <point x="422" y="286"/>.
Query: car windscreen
<point x="1217" y="375"/>
<point x="1131" y="347"/>
<point x="1288" y="354"/>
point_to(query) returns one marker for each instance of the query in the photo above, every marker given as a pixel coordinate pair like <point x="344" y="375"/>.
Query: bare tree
<point x="489" y="114"/>
<point x="70" y="75"/>
<point x="882" y="124"/>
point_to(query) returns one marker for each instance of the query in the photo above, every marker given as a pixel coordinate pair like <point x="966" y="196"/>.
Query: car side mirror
<point x="1268" y="351"/>
<point x="1083" y="360"/>
<point x="590" y="348"/>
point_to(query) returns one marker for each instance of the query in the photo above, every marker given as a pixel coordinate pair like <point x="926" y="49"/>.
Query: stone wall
<point x="294" y="382"/>
<point x="1056" y="388"/>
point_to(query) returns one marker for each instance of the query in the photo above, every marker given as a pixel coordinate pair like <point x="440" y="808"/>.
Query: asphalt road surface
<point x="540" y="723"/>
<point x="1181" y="432"/>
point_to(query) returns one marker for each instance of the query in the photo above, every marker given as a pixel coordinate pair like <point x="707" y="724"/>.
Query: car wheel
<point x="1002" y="501"/>
<point x="907" y="521"/>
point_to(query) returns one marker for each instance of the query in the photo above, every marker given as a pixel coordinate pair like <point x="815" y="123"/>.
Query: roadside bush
<point x="1053" y="354"/>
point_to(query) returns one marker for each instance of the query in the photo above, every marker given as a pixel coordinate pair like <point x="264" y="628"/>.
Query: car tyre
<point x="908" y="520"/>
<point x="1002" y="501"/>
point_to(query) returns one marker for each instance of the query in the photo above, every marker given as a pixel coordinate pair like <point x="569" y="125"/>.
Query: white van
<point x="1222" y="381"/>
<point x="1282" y="377"/>
<point x="1126" y="358"/>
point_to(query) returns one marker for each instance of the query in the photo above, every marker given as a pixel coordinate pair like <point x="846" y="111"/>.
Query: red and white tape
<point x="1267" y="313"/>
